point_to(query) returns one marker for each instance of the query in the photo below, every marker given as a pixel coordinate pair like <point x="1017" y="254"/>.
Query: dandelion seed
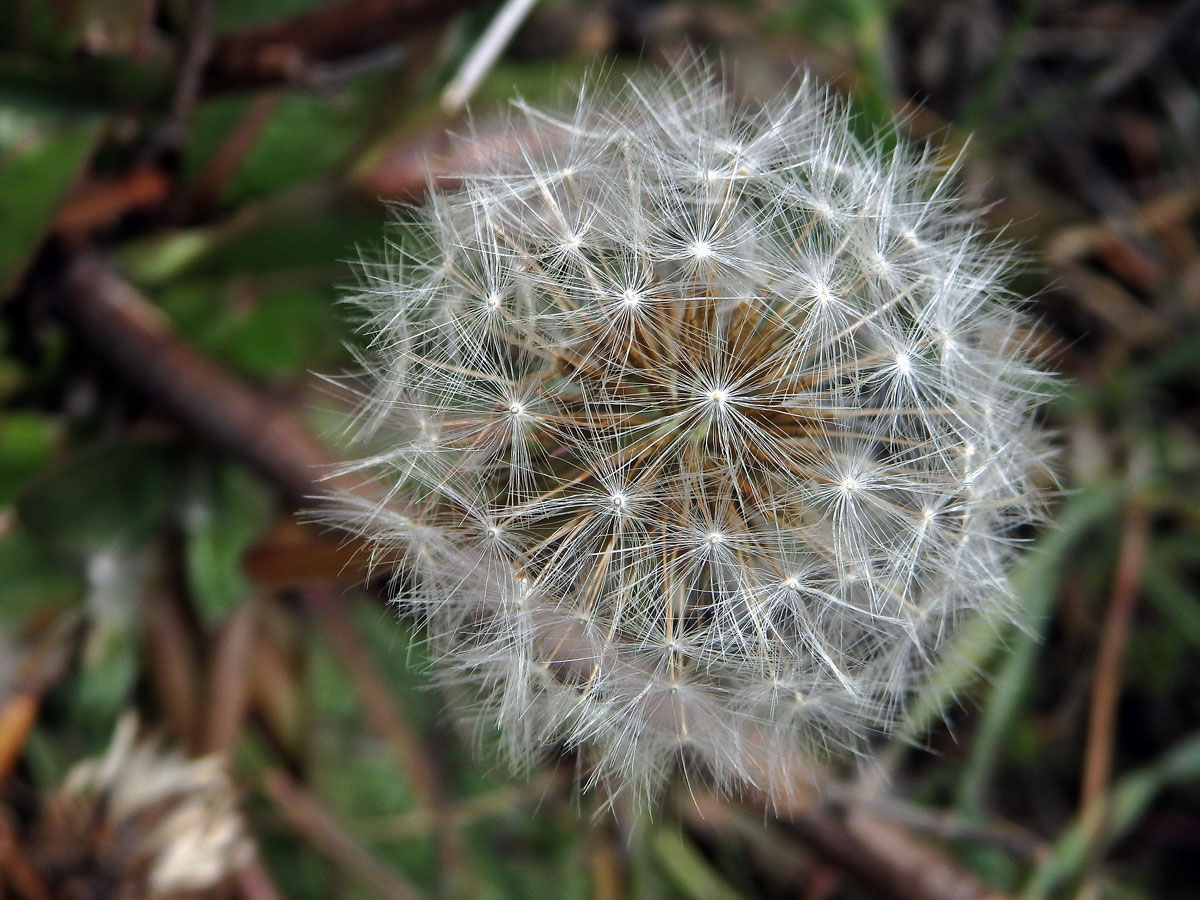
<point x="141" y="821"/>
<point x="754" y="344"/>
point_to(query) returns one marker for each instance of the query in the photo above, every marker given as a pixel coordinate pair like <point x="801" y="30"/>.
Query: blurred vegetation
<point x="183" y="186"/>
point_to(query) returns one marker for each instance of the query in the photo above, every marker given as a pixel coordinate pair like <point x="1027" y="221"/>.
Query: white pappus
<point x="703" y="429"/>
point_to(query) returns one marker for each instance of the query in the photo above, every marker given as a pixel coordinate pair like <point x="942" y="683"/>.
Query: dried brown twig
<point x="389" y="720"/>
<point x="290" y="50"/>
<point x="41" y="667"/>
<point x="16" y="867"/>
<point x="98" y="202"/>
<point x="887" y="857"/>
<point x="314" y="822"/>
<point x="125" y="331"/>
<point x="868" y="846"/>
<point x="1106" y="680"/>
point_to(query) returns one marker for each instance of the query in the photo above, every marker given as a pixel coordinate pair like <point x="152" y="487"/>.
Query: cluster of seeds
<point x="704" y="427"/>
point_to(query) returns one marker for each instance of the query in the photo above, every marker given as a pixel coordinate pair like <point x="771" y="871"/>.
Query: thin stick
<point x="16" y="867"/>
<point x="173" y="130"/>
<point x="878" y="852"/>
<point x="255" y="883"/>
<point x="483" y="55"/>
<point x="1106" y="683"/>
<point x="99" y="202"/>
<point x="229" y="682"/>
<point x="39" y="670"/>
<point x="287" y="50"/>
<point x="221" y="167"/>
<point x="129" y="334"/>
<point x="17" y="718"/>
<point x="171" y="658"/>
<point x="389" y="720"/>
<point x="311" y="819"/>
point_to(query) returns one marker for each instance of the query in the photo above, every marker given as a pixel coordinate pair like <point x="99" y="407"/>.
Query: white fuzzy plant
<point x="705" y="428"/>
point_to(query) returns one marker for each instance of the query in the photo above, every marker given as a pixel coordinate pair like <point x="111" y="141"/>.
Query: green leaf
<point x="38" y="163"/>
<point x="303" y="138"/>
<point x="262" y="327"/>
<point x="33" y="578"/>
<point x="104" y="688"/>
<point x="287" y="332"/>
<point x="1121" y="809"/>
<point x="688" y="869"/>
<point x="1175" y="602"/>
<point x="108" y="497"/>
<point x="1036" y="582"/>
<point x="314" y="228"/>
<point x="250" y="13"/>
<point x="26" y="440"/>
<point x="222" y="516"/>
<point x="356" y="772"/>
<point x="164" y="256"/>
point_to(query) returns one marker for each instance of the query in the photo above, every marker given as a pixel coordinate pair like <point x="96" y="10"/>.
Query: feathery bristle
<point x="704" y="428"/>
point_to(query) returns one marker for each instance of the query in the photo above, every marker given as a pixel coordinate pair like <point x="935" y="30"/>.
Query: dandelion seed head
<point x="742" y="412"/>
